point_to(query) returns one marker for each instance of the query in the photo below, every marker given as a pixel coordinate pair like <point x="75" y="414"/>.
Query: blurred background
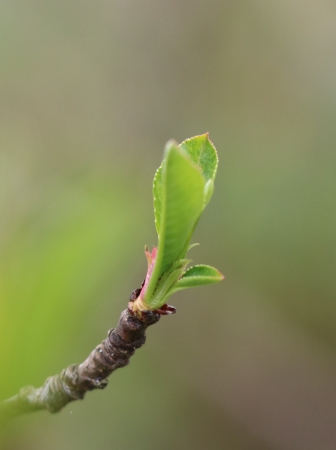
<point x="89" y="94"/>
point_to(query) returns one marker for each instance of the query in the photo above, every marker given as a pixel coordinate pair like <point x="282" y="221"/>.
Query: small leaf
<point x="181" y="194"/>
<point x="182" y="187"/>
<point x="198" y="276"/>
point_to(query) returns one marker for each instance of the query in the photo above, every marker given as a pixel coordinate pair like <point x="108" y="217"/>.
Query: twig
<point x="74" y="381"/>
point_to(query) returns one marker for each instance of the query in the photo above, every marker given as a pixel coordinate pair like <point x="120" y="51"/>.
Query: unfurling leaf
<point x="181" y="205"/>
<point x="182" y="187"/>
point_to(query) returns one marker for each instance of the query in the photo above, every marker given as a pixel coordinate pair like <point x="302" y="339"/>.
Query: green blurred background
<point x="89" y="94"/>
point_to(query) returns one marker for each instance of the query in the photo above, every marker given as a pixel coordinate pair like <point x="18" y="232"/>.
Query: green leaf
<point x="183" y="187"/>
<point x="179" y="190"/>
<point x="198" y="276"/>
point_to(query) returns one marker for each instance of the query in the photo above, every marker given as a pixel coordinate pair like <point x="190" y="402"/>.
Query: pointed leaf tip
<point x="171" y="144"/>
<point x="203" y="153"/>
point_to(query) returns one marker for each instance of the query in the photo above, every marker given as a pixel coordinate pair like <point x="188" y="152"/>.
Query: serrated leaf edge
<point x="155" y="198"/>
<point x="202" y="265"/>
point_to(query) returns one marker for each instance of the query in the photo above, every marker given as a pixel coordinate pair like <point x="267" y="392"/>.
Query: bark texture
<point x="74" y="381"/>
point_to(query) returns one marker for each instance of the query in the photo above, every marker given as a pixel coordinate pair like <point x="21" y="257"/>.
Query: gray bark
<point x="74" y="381"/>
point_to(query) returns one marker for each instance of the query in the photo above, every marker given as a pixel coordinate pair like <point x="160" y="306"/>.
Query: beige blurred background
<point x="89" y="94"/>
